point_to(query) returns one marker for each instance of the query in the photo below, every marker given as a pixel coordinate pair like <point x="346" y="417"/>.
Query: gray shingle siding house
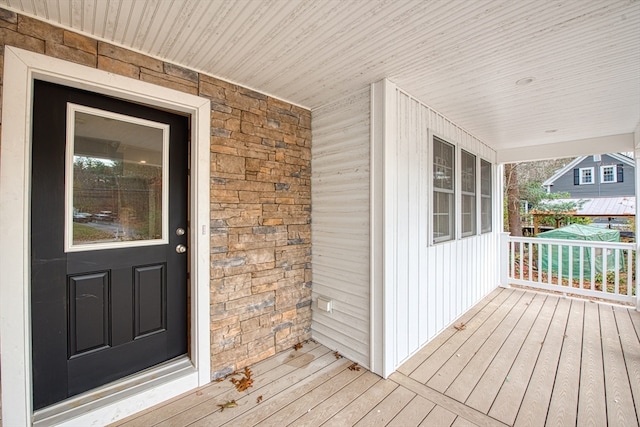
<point x="606" y="175"/>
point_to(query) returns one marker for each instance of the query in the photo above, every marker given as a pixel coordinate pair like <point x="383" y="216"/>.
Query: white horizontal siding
<point x="340" y="225"/>
<point x="425" y="287"/>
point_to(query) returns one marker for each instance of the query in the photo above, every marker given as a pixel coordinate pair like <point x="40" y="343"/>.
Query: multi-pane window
<point x="443" y="191"/>
<point x="468" y="191"/>
<point x="485" y="193"/>
<point x="586" y="176"/>
<point x="608" y="173"/>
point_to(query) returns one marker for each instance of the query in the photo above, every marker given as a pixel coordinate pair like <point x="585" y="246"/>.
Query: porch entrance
<point x="108" y="238"/>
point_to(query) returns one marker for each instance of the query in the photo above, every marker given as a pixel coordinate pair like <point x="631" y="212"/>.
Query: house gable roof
<point x="575" y="162"/>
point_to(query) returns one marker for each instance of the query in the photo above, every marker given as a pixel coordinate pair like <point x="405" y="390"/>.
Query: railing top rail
<point x="569" y="242"/>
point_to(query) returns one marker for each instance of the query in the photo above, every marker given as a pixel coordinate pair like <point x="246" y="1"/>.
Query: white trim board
<point x="21" y="68"/>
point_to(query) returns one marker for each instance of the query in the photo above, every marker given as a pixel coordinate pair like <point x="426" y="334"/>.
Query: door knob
<point x="181" y="249"/>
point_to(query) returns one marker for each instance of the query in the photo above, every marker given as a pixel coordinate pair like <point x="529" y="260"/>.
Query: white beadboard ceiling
<point x="461" y="57"/>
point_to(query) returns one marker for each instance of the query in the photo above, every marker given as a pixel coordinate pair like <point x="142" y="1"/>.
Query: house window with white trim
<point x="485" y="196"/>
<point x="443" y="191"/>
<point x="468" y="192"/>
<point x="586" y="176"/>
<point x="609" y="174"/>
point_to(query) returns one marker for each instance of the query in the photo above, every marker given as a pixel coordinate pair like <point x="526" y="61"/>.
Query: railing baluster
<point x="549" y="263"/>
<point x="616" y="270"/>
<point x="512" y="257"/>
<point x="629" y="272"/>
<point x="605" y="271"/>
<point x="520" y="248"/>
<point x="592" y="261"/>
<point x="581" y="262"/>
<point x="570" y="264"/>
<point x="559" y="265"/>
<point x="530" y="263"/>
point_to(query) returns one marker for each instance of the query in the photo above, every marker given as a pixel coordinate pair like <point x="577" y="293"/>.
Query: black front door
<point x="108" y="240"/>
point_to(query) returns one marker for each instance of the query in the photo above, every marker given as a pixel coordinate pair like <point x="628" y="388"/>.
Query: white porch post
<point x="636" y="140"/>
<point x="504" y="259"/>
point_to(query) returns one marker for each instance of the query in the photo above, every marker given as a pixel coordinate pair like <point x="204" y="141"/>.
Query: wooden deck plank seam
<point x="444" y="401"/>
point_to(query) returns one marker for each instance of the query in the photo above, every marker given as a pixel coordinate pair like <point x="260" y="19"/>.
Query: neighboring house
<point x="327" y="201"/>
<point x="605" y="175"/>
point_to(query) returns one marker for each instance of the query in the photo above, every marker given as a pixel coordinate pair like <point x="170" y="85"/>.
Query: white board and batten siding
<point x="420" y="288"/>
<point x="340" y="225"/>
<point x="391" y="290"/>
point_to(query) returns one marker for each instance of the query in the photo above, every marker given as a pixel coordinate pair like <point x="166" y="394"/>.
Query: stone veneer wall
<point x="260" y="194"/>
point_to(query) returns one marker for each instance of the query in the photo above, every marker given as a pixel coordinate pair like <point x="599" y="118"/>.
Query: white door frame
<point x="130" y="395"/>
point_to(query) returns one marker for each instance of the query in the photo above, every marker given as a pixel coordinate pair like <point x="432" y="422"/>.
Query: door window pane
<point x="116" y="180"/>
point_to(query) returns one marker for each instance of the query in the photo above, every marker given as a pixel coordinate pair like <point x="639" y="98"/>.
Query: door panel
<point x="149" y="300"/>
<point x="108" y="289"/>
<point x="89" y="301"/>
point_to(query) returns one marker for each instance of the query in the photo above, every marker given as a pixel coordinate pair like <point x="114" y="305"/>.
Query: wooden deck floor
<point x="522" y="358"/>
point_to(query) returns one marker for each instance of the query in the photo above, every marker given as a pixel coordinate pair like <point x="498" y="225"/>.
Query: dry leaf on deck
<point x="229" y="404"/>
<point x="297" y="346"/>
<point x="338" y="355"/>
<point x="460" y="327"/>
<point x="354" y="367"/>
<point x="259" y="399"/>
<point x="245" y="382"/>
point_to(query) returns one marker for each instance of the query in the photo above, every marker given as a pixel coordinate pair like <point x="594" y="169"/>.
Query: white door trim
<point x="21" y="68"/>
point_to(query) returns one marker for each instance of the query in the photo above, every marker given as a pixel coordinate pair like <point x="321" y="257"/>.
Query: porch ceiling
<point x="462" y="57"/>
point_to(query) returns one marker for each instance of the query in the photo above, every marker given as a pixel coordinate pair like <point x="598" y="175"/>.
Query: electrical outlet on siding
<point x="324" y="304"/>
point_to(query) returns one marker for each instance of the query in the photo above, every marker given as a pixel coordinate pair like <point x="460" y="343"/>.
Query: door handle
<point x="181" y="249"/>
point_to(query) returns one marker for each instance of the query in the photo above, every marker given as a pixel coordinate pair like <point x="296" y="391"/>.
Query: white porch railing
<point x="594" y="269"/>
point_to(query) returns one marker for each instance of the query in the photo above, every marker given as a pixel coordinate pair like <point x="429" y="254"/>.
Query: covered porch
<point x="516" y="358"/>
<point x="326" y="232"/>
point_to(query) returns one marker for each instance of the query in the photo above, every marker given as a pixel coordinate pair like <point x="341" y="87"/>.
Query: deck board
<point x="413" y="413"/>
<point x="310" y="400"/>
<point x="278" y="394"/>
<point x="331" y="406"/>
<point x="485" y="391"/>
<point x="432" y="365"/>
<point x="592" y="406"/>
<point x="387" y="409"/>
<point x="526" y="358"/>
<point x="564" y="399"/>
<point x="361" y="406"/>
<point x="513" y="325"/>
<point x="620" y="409"/>
<point x="536" y="399"/>
<point x="417" y="359"/>
<point x="439" y="417"/>
<point x="631" y="353"/>
<point x="507" y="403"/>
<point x="205" y="398"/>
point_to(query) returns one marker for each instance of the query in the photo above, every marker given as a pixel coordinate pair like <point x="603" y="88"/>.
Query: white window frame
<point x="488" y="196"/>
<point x="593" y="180"/>
<point x="453" y="221"/>
<point x="467" y="194"/>
<point x="614" y="169"/>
